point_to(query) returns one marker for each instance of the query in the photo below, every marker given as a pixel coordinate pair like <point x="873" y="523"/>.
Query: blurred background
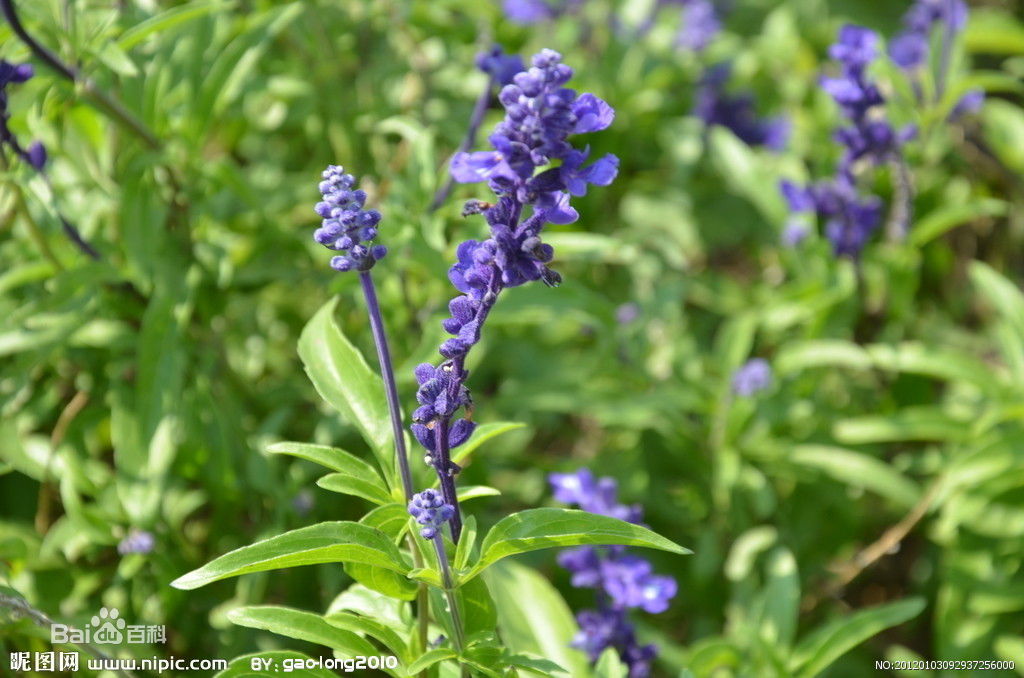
<point x="883" y="463"/>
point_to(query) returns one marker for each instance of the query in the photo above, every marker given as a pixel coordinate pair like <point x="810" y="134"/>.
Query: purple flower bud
<point x="36" y="155"/>
<point x="137" y="541"/>
<point x="430" y="511"/>
<point x="754" y="376"/>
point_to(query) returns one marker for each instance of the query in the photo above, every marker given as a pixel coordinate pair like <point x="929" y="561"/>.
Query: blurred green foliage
<point x="141" y="391"/>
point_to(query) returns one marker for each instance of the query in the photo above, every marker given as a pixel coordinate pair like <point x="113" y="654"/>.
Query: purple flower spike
<point x="346" y="226"/>
<point x="624" y="581"/>
<point x="910" y="49"/>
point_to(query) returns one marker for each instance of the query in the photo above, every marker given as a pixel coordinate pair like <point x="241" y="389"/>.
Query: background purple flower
<point x="752" y="377"/>
<point x="623" y="581"/>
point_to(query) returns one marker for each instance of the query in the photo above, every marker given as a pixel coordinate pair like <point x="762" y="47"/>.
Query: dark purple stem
<point x="446" y="475"/>
<point x="479" y="110"/>
<point x="380" y="339"/>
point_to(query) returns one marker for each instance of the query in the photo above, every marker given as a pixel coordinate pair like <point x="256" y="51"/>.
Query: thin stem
<point x="475" y="120"/>
<point x="449" y="591"/>
<point x="22" y="606"/>
<point x="902" y="204"/>
<point x="380" y="339"/>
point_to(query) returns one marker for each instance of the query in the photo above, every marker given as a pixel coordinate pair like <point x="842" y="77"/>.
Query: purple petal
<point x="469" y="168"/>
<point x="592" y="114"/>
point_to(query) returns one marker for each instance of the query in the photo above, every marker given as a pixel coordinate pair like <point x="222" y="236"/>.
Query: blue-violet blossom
<point x="716" y="106"/>
<point x="623" y="581"/>
<point x="850" y="219"/>
<point x="540" y="116"/>
<point x="15" y="74"/>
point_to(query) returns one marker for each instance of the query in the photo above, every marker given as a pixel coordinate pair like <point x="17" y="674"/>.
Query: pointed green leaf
<point x="430" y="658"/>
<point x="360" y="624"/>
<point x="330" y="457"/>
<point x="857" y="469"/>
<point x="323" y="543"/>
<point x="544" y="528"/>
<point x="533" y="618"/>
<point x="390" y="519"/>
<point x="301" y="625"/>
<point x="820" y="649"/>
<point x="342" y="378"/>
<point x="347" y="483"/>
<point x="481" y="435"/>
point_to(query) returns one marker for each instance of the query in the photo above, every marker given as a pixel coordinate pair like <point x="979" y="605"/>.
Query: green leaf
<point x="609" y="665"/>
<point x="858" y="470"/>
<point x="781" y="598"/>
<point x="823" y="647"/>
<point x="533" y="618"/>
<point x="301" y="625"/>
<point x="323" y="543"/>
<point x="357" y="486"/>
<point x="167" y="20"/>
<point x="467" y="544"/>
<point x="468" y="492"/>
<point x="390" y="519"/>
<point x="342" y="378"/>
<point x="330" y="457"/>
<point x="537" y="665"/>
<point x="270" y="664"/>
<point x="938" y="222"/>
<point x="544" y="528"/>
<point x="361" y="624"/>
<point x="478" y="613"/>
<point x="909" y="424"/>
<point x="368" y="603"/>
<point x="1000" y="292"/>
<point x="481" y="435"/>
<point x="430" y="658"/>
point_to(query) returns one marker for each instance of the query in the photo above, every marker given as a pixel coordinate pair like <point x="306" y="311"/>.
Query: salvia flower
<point x="15" y="74"/>
<point x="136" y="541"/>
<point x="534" y="171"/>
<point x="528" y="12"/>
<point x="430" y="511"/>
<point x="716" y="106"/>
<point x="623" y="581"/>
<point x="346" y="226"/>
<point x="699" y="24"/>
<point x="909" y="50"/>
<point x="868" y="140"/>
<point x="752" y="377"/>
